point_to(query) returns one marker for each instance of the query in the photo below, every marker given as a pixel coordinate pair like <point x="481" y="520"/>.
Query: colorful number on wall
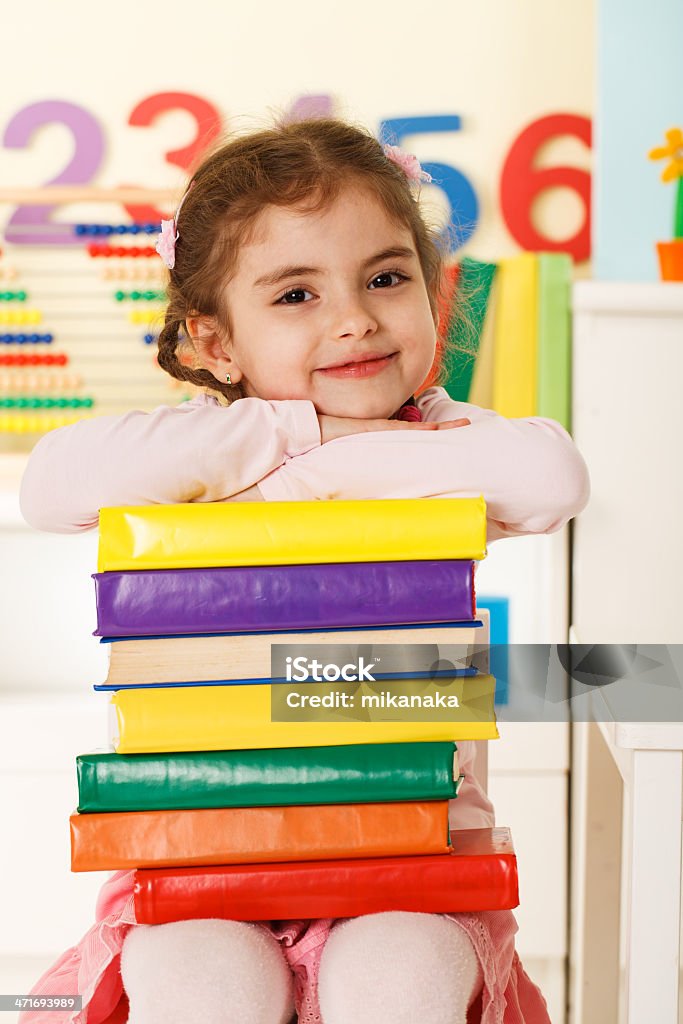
<point x="459" y="192"/>
<point x="32" y="225"/>
<point x="521" y="182"/>
<point x="209" y="126"/>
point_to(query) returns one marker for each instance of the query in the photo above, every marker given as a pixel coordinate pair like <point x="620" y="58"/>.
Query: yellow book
<point x="516" y="337"/>
<point x="201" y="535"/>
<point x="183" y="718"/>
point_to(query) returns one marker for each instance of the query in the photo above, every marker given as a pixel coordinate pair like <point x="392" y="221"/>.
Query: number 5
<point x="459" y="192"/>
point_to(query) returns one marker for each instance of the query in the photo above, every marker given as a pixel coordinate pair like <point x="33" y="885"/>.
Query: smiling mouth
<point x="359" y="368"/>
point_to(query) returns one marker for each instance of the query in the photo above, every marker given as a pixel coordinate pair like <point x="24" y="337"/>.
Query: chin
<point x="361" y="408"/>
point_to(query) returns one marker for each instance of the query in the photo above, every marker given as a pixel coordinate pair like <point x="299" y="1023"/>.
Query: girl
<point x="307" y="287"/>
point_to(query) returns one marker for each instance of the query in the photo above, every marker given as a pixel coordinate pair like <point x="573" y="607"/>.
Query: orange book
<point x="249" y="835"/>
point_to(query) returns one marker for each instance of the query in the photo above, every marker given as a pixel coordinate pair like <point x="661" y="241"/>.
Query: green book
<point x="553" y="397"/>
<point x="467" y="322"/>
<point x="361" y="773"/>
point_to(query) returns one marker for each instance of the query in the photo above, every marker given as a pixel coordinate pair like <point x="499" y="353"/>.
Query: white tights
<point x="394" y="968"/>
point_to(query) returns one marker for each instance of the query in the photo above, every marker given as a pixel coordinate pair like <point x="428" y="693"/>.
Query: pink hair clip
<point x="168" y="236"/>
<point x="408" y="163"/>
<point x="166" y="241"/>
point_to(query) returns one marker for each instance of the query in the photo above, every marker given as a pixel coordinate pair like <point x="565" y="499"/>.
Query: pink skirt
<point x="92" y="968"/>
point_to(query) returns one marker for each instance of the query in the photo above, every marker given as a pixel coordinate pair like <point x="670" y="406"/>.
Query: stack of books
<point x="226" y="801"/>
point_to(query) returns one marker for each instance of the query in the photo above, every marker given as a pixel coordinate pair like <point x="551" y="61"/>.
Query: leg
<point x="398" y="968"/>
<point x="205" y="972"/>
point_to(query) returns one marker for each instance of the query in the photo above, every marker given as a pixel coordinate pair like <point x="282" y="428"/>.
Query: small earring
<point x="228" y="379"/>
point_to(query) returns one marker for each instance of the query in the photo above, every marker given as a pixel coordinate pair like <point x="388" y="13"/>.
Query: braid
<point x="167" y="356"/>
<point x="167" y="345"/>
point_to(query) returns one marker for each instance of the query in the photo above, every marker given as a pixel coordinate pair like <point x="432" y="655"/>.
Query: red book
<point x="479" y="874"/>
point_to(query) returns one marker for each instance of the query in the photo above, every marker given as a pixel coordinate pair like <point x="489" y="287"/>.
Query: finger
<point x="404" y="425"/>
<point x="418" y="426"/>
<point x="446" y="424"/>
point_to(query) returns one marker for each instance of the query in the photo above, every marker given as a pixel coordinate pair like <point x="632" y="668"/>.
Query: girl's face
<point x="330" y="307"/>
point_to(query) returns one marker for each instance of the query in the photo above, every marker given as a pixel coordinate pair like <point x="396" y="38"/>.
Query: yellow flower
<point x="674" y="150"/>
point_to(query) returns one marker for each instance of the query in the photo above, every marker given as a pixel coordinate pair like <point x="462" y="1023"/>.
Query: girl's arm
<point x="197" y="451"/>
<point x="529" y="470"/>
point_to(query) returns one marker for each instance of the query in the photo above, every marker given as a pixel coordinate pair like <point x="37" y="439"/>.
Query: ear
<point x="211" y="347"/>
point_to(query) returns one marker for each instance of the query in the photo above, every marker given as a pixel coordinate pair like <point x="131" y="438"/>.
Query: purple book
<point x="247" y="599"/>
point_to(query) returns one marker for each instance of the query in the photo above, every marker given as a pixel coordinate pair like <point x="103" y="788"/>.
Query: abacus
<point x="79" y="322"/>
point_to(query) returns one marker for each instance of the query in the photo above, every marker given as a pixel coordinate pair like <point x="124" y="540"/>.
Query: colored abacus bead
<point x="116" y="229"/>
<point x="134" y="251"/>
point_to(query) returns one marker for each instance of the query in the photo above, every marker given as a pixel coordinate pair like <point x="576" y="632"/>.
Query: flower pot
<point x="671" y="259"/>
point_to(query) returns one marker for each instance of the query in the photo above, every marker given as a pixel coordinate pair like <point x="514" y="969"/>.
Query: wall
<point x="639" y="97"/>
<point x="497" y="65"/>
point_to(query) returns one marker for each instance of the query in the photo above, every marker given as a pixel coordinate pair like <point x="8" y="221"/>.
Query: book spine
<point x="105" y="842"/>
<point x="465" y="329"/>
<point x="336" y="889"/>
<point x="554" y="337"/>
<point x="252" y="599"/>
<point x="364" y="773"/>
<point x="290" y="533"/>
<point x="187" y="718"/>
<point x="516" y="337"/>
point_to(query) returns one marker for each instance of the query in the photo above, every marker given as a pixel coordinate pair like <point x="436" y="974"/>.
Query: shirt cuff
<point x="303" y="428"/>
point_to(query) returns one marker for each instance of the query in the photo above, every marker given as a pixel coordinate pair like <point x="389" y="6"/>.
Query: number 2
<point x="24" y="226"/>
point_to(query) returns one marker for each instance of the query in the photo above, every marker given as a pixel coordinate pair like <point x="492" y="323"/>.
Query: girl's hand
<point x="332" y="427"/>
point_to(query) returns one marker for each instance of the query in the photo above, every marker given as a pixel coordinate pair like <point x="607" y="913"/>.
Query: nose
<point x="352" y="319"/>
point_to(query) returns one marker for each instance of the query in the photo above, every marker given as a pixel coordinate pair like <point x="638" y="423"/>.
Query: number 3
<point x="209" y="127"/>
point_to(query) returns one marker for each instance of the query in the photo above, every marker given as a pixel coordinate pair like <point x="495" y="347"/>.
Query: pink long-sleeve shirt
<point x="529" y="471"/>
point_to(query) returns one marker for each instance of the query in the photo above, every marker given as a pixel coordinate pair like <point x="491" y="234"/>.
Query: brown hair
<point x="303" y="162"/>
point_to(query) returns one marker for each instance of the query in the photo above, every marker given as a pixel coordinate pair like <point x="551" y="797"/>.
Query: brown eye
<point x="386" y="276"/>
<point x="293" y="297"/>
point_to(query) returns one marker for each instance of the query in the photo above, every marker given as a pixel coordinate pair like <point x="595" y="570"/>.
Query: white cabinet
<point x="628" y="424"/>
<point x="627" y="569"/>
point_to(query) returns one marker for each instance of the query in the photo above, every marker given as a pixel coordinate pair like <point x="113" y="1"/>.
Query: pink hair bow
<point x="408" y="163"/>
<point x="166" y="241"/>
<point x="168" y="236"/>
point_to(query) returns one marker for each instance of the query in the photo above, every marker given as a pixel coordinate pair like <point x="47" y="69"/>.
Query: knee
<point x="398" y="967"/>
<point x="207" y="971"/>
